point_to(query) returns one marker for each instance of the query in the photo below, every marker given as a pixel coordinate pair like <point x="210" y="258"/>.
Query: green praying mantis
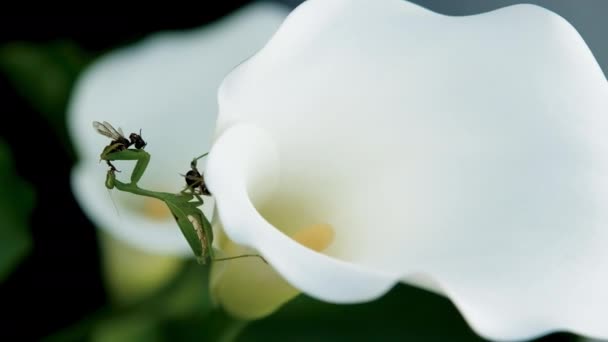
<point x="184" y="206"/>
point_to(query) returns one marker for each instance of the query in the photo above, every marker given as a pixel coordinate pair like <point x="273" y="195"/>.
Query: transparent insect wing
<point x="114" y="131"/>
<point x="102" y="128"/>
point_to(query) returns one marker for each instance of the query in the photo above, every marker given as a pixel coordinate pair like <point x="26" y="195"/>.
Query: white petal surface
<point x="166" y="85"/>
<point x="467" y="155"/>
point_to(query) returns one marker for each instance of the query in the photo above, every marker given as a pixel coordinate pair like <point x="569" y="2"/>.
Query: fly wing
<point x="106" y="129"/>
<point x="115" y="132"/>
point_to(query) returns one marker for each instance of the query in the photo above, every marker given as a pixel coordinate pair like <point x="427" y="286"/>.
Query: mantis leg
<point x="188" y="191"/>
<point x="187" y="196"/>
<point x="142" y="157"/>
<point x="241" y="256"/>
<point x="195" y="160"/>
<point x="199" y="201"/>
<point x="107" y="150"/>
<point x="112" y="182"/>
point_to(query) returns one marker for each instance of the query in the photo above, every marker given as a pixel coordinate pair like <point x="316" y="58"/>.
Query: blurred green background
<point x="52" y="280"/>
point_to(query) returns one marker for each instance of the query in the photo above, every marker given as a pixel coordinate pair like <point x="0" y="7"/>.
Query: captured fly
<point x="119" y="142"/>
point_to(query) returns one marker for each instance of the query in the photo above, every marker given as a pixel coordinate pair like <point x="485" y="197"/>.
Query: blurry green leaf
<point x="182" y="312"/>
<point x="404" y="314"/>
<point x="16" y="202"/>
<point x="213" y="326"/>
<point x="126" y="329"/>
<point x="182" y="300"/>
<point x="130" y="273"/>
<point x="44" y="75"/>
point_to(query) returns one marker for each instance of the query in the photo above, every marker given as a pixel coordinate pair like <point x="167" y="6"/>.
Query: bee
<point x="119" y="142"/>
<point x="195" y="180"/>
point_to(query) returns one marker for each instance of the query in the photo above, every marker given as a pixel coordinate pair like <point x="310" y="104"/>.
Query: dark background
<point x="59" y="283"/>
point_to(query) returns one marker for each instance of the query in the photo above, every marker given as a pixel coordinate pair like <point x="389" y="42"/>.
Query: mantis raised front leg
<point x="184" y="206"/>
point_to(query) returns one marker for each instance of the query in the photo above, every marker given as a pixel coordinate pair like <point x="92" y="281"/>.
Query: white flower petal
<point x="166" y="85"/>
<point x="466" y="155"/>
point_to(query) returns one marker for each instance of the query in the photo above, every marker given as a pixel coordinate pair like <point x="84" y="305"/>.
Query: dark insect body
<point x="195" y="180"/>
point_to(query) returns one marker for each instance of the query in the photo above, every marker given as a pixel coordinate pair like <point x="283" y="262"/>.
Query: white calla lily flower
<point x="466" y="155"/>
<point x="165" y="85"/>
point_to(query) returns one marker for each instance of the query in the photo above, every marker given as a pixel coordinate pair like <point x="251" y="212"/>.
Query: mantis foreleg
<point x="142" y="157"/>
<point x="195" y="160"/>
